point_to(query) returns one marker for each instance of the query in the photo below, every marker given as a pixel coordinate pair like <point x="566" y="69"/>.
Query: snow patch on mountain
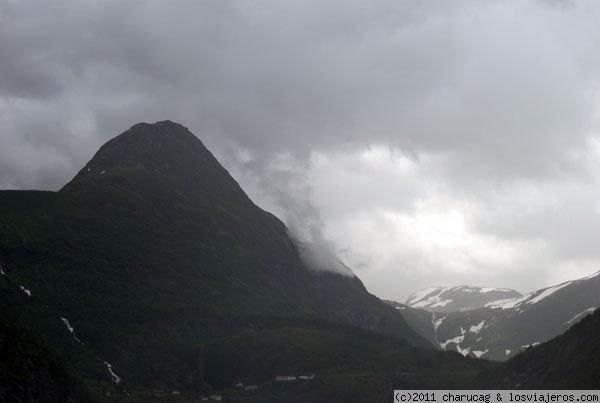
<point x="534" y="344"/>
<point x="67" y="324"/>
<point x="491" y="327"/>
<point x="455" y="299"/>
<point x="478" y="353"/>
<point x="71" y="330"/>
<point x="25" y="290"/>
<point x="485" y="290"/>
<point x="432" y="302"/>
<point x="463" y="351"/>
<point x="507" y="303"/>
<point x="477" y="328"/>
<point x="115" y="377"/>
<point x="440" y="303"/>
<point x="419" y="295"/>
<point x="580" y="315"/>
<point x="455" y="340"/>
<point x="547" y="292"/>
<point x="531" y="298"/>
<point x="424" y="298"/>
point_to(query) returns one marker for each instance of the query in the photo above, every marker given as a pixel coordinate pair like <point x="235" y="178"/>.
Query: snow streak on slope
<point x="456" y="340"/>
<point x="115" y="377"/>
<point x="580" y="315"/>
<point x="507" y="303"/>
<point x="477" y="328"/>
<point x="67" y="324"/>
<point x="478" y="354"/>
<point x="71" y="330"/>
<point x="485" y="290"/>
<point x="463" y="351"/>
<point x="437" y="322"/>
<point x="547" y="292"/>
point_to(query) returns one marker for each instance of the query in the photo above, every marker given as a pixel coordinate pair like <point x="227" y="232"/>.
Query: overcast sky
<point x="430" y="142"/>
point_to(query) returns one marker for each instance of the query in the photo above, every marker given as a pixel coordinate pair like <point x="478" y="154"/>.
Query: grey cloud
<point x="276" y="77"/>
<point x="480" y="94"/>
<point x="461" y="86"/>
<point x="283" y="186"/>
<point x="566" y="216"/>
<point x="319" y="258"/>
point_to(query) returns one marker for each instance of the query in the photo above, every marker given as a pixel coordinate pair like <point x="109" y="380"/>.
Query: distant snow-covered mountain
<point x="498" y="329"/>
<point x="461" y="298"/>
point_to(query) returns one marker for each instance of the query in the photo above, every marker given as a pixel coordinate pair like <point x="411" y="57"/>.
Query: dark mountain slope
<point x="569" y="361"/>
<point x="153" y="249"/>
<point x="31" y="372"/>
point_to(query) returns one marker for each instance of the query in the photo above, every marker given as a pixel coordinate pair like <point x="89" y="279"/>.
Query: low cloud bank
<point x="319" y="258"/>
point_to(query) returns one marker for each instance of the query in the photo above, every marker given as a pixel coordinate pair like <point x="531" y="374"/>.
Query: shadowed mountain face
<point x="152" y="249"/>
<point x="570" y="361"/>
<point x="31" y="372"/>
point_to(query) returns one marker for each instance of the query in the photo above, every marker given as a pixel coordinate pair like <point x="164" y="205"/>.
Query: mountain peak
<point x="159" y="148"/>
<point x="159" y="158"/>
<point x="461" y="298"/>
